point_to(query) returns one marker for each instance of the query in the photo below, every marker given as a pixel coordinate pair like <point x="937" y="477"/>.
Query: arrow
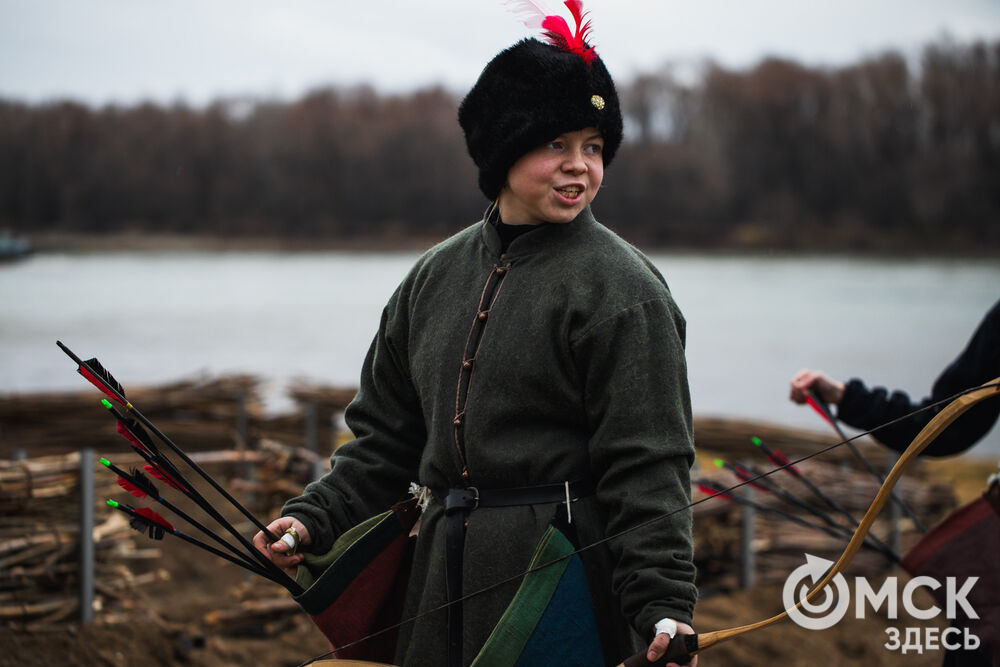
<point x="837" y="531"/>
<point x="752" y="477"/>
<point x="155" y="526"/>
<point x="820" y="406"/>
<point x="140" y="487"/>
<point x="94" y="372"/>
<point x="158" y="465"/>
<point x="135" y="427"/>
<point x="784" y="464"/>
<point x="712" y="489"/>
<point x="163" y="469"/>
<point x="760" y="481"/>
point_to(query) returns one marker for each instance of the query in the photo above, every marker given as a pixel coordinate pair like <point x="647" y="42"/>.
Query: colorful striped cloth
<point x="551" y="618"/>
<point x="357" y="588"/>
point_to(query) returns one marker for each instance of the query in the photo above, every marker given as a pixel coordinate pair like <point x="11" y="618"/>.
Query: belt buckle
<point x="466" y="499"/>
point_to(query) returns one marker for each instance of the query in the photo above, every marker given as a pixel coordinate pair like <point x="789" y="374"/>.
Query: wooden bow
<point x="684" y="646"/>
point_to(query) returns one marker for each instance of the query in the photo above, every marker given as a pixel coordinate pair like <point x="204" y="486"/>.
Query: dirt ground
<point x="181" y="635"/>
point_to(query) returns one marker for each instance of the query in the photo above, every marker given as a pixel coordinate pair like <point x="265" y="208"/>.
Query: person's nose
<point x="575" y="162"/>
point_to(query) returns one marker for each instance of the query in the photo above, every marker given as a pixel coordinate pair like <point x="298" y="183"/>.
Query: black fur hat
<point x="531" y="93"/>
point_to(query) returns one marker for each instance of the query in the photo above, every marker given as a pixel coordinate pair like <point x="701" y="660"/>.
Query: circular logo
<point x="814" y="569"/>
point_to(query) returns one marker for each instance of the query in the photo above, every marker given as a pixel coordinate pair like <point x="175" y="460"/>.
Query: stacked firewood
<point x="731" y="438"/>
<point x="40" y="532"/>
<point x="202" y="413"/>
<point x="198" y="414"/>
<point x="40" y="543"/>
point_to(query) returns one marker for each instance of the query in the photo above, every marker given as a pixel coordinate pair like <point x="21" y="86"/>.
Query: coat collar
<point x="537" y="240"/>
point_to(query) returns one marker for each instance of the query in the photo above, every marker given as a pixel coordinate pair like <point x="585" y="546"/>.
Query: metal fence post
<point x="87" y="501"/>
<point x="747" y="565"/>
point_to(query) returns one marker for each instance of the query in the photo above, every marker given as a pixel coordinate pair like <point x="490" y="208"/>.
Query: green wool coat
<point x="579" y="371"/>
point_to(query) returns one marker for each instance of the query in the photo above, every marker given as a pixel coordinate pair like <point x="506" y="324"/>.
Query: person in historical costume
<point x="955" y="547"/>
<point x="531" y="364"/>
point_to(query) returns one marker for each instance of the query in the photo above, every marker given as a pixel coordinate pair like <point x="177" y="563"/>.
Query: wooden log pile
<point x="198" y="414"/>
<point x="202" y="413"/>
<point x="40" y="543"/>
<point x="730" y="438"/>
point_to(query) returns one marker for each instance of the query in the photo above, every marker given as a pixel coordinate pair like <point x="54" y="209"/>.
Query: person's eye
<point x="595" y="149"/>
<point x="554" y="145"/>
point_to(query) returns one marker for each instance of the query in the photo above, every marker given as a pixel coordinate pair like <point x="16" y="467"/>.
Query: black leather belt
<point x="458" y="503"/>
<point x="471" y="498"/>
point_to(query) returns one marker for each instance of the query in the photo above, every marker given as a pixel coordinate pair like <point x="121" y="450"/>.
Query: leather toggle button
<point x="458" y="421"/>
<point x="501" y="270"/>
<point x="467" y="364"/>
<point x="483" y="315"/>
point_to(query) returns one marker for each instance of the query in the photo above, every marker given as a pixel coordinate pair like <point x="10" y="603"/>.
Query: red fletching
<point x="709" y="491"/>
<point x="103" y="380"/>
<point x="152" y="516"/>
<point x="136" y="483"/>
<point x="147" y="521"/>
<point x="132" y="488"/>
<point x="124" y="432"/>
<point x="745" y="475"/>
<point x="780" y="460"/>
<point x="159" y="474"/>
<point x="558" y="33"/>
<point x="825" y="414"/>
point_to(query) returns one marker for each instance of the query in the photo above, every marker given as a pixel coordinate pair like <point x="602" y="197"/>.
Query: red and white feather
<point x="556" y="30"/>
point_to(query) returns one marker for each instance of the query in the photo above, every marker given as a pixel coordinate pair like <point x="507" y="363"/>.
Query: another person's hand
<point x="280" y="553"/>
<point x="662" y="640"/>
<point x="826" y="388"/>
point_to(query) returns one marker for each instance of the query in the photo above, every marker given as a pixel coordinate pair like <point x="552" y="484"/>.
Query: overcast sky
<point x="123" y="51"/>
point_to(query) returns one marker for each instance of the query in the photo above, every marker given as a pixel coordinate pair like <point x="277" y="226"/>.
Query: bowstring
<point x="647" y="523"/>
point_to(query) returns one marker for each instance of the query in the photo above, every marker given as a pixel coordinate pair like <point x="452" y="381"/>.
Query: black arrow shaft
<point x="825" y="410"/>
<point x="184" y="516"/>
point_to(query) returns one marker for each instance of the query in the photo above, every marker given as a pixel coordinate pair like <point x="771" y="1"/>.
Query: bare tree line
<point x="882" y="154"/>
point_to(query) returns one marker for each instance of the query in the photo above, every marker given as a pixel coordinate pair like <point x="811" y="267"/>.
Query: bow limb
<point x="680" y="651"/>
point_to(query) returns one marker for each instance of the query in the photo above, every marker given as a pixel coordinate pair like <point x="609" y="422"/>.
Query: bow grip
<point x="678" y="652"/>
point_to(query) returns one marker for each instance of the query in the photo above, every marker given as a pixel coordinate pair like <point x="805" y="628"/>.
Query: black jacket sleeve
<point x="978" y="363"/>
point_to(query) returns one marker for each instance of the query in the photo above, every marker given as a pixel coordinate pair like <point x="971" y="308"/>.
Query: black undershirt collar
<point x="509" y="232"/>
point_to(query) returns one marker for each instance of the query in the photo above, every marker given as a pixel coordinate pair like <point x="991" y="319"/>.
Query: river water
<point x="753" y="321"/>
